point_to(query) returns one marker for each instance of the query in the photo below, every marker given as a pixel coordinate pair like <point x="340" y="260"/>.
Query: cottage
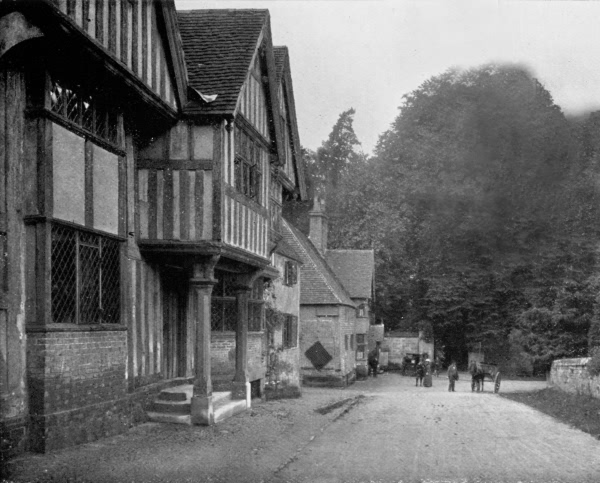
<point x="356" y="271"/>
<point x="136" y="213"/>
<point x="334" y="322"/>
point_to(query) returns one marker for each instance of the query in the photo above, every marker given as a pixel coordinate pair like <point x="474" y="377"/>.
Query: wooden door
<point x="174" y="323"/>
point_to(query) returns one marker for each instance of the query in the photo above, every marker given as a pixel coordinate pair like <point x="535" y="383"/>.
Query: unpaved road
<point x="411" y="434"/>
<point x="395" y="433"/>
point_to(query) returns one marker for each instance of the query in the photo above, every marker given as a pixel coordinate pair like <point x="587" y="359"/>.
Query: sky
<point x="367" y="54"/>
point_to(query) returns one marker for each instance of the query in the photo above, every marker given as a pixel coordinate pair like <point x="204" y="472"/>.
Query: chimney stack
<point x="318" y="226"/>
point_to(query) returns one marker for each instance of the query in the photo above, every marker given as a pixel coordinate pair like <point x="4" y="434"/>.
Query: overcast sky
<point x="367" y="54"/>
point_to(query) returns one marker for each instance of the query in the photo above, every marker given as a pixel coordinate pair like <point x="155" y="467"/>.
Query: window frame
<point x="102" y="124"/>
<point x="289" y="332"/>
<point x="108" y="266"/>
<point x="361" y="346"/>
<point x="290" y="273"/>
<point x="247" y="169"/>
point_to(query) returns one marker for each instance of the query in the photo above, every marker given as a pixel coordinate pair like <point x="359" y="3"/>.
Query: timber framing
<point x="62" y="29"/>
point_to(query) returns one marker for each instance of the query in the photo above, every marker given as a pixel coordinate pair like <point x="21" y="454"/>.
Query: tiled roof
<point x="218" y="47"/>
<point x="355" y="269"/>
<point x="284" y="248"/>
<point x="280" y="53"/>
<point x="318" y="283"/>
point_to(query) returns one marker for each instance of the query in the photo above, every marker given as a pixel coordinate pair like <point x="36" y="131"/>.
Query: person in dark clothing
<point x="373" y="359"/>
<point x="420" y="373"/>
<point x="452" y="376"/>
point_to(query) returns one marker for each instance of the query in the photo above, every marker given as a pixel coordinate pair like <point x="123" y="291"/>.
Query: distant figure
<point x="477" y="376"/>
<point x="427" y="382"/>
<point x="406" y="363"/>
<point x="420" y="373"/>
<point x="373" y="359"/>
<point x="437" y="365"/>
<point x="452" y="376"/>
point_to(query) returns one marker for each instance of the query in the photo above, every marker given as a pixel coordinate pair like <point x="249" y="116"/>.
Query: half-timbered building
<point x="135" y="213"/>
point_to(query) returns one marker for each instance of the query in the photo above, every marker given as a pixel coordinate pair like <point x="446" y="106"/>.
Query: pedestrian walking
<point x="373" y="359"/>
<point x="420" y="374"/>
<point x="452" y="376"/>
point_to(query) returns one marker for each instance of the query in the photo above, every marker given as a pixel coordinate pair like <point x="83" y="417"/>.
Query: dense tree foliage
<point x="482" y="202"/>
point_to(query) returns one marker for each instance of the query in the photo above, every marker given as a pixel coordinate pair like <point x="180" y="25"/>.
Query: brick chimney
<point x="318" y="225"/>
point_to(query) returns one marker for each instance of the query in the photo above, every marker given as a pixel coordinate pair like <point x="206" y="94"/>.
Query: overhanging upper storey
<point x="136" y="42"/>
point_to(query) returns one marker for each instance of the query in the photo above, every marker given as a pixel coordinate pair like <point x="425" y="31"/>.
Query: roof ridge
<point x="306" y="242"/>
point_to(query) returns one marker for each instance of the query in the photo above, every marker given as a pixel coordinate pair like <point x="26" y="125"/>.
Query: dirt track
<point x="395" y="433"/>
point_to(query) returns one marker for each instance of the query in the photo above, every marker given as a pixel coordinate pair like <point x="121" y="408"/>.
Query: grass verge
<point x="581" y="412"/>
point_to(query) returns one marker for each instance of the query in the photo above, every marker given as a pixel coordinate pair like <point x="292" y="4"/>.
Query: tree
<point x="480" y="176"/>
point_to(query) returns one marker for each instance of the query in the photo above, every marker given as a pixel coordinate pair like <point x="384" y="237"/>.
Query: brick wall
<point x="222" y="346"/>
<point x="78" y="388"/>
<point x="571" y="375"/>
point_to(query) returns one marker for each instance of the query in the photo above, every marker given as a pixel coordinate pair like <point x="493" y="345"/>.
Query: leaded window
<point x="247" y="168"/>
<point x="290" y="332"/>
<point x="85" y="274"/>
<point x="224" y="305"/>
<point x="84" y="110"/>
<point x="290" y="275"/>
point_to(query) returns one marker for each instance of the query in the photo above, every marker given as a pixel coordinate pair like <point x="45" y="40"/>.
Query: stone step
<point x="173" y="405"/>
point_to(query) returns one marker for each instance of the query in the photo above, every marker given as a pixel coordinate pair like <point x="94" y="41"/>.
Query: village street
<point x="384" y="430"/>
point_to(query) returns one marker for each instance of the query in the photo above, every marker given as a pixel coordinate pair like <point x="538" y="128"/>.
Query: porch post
<point x="201" y="285"/>
<point x="241" y="384"/>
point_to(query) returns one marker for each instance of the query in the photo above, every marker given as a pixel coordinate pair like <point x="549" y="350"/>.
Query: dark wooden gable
<point x="293" y="176"/>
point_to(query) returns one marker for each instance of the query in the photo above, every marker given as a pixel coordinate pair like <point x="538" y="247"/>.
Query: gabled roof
<point x="318" y="283"/>
<point x="219" y="46"/>
<point x="284" y="74"/>
<point x="284" y="248"/>
<point x="175" y="49"/>
<point x="355" y="269"/>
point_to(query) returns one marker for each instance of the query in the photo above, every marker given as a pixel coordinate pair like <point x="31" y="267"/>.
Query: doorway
<point x="175" y="293"/>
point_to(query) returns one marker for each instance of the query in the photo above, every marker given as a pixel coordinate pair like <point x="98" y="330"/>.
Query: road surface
<point x="403" y="433"/>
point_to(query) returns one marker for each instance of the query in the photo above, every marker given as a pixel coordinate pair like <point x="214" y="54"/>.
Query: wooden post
<point x="201" y="285"/>
<point x="241" y="384"/>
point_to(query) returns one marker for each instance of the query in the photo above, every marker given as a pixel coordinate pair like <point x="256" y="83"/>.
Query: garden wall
<point x="571" y="375"/>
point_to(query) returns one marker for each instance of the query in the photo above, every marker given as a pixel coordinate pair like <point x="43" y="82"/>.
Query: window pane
<point x="89" y="260"/>
<point x="72" y="104"/>
<point x="87" y="114"/>
<point x="63" y="273"/>
<point x="110" y="282"/>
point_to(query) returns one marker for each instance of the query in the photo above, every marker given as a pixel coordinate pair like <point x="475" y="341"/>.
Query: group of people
<point x="423" y="368"/>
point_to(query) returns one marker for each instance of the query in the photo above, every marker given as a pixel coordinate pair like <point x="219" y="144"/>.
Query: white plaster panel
<point x="203" y="142"/>
<point x="106" y="190"/>
<point x="68" y="177"/>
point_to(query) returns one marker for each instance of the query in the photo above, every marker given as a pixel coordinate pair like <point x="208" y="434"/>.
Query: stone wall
<point x="77" y="381"/>
<point x="571" y="375"/>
